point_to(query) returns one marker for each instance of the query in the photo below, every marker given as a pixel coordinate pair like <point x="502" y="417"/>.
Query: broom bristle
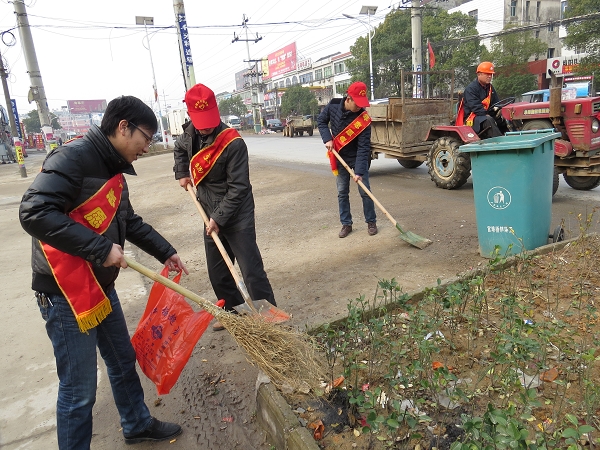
<point x="287" y="356"/>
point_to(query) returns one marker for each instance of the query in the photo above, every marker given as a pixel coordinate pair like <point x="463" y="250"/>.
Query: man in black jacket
<point x="479" y="96"/>
<point x="78" y="212"/>
<point x="220" y="172"/>
<point x="339" y="114"/>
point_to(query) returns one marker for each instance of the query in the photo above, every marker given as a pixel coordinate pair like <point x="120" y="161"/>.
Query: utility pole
<point x="256" y="117"/>
<point x="185" y="51"/>
<point x="417" y="56"/>
<point x="13" y="126"/>
<point x="36" y="91"/>
<point x="139" y="20"/>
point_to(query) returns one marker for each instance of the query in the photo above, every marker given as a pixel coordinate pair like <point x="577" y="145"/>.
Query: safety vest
<point x="460" y="115"/>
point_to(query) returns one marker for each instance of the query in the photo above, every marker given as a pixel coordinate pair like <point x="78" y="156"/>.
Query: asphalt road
<point x="28" y="390"/>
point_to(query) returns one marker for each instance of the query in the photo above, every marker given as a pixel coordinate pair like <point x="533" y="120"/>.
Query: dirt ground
<point x="313" y="273"/>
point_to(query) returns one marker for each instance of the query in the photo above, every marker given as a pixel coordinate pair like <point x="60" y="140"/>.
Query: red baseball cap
<point x="202" y="107"/>
<point x="358" y="92"/>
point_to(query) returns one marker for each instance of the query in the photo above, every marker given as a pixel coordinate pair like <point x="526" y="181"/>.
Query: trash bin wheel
<point x="558" y="235"/>
<point x="555" y="181"/>
<point x="449" y="168"/>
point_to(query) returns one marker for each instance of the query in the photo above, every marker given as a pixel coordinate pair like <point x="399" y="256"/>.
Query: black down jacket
<point x="357" y="153"/>
<point x="225" y="192"/>
<point x="70" y="175"/>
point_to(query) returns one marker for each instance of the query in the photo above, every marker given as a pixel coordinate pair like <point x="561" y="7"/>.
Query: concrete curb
<point x="276" y="417"/>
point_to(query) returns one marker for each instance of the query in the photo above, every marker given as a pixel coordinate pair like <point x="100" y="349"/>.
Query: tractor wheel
<point x="301" y="133"/>
<point x="555" y="182"/>
<point x="582" y="183"/>
<point x="292" y="132"/>
<point x="537" y="125"/>
<point x="310" y="132"/>
<point x="409" y="164"/>
<point x="449" y="168"/>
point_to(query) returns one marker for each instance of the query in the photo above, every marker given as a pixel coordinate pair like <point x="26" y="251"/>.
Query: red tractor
<point x="576" y="154"/>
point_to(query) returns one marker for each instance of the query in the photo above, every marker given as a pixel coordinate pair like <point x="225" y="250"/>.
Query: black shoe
<point x="157" y="431"/>
<point x="345" y="231"/>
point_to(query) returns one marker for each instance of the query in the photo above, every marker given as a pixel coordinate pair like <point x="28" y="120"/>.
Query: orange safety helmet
<point x="486" y="67"/>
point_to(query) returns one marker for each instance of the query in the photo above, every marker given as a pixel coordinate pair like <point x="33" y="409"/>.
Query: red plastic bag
<point x="167" y="334"/>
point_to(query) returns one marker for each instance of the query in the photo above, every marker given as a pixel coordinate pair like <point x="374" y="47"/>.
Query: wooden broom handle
<point x="238" y="281"/>
<point x="364" y="188"/>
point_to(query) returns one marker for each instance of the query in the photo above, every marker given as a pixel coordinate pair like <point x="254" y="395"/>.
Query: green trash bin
<point x="512" y="187"/>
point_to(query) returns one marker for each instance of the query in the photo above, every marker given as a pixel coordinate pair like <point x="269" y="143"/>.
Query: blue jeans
<point x="343" y="188"/>
<point x="76" y="364"/>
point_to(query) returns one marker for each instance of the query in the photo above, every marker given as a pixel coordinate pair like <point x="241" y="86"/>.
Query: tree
<point x="298" y="100"/>
<point x="233" y="106"/>
<point x="583" y="34"/>
<point x="510" y="53"/>
<point x="392" y="49"/>
<point x="33" y="125"/>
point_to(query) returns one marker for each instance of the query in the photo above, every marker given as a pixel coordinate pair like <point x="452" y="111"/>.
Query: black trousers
<point x="492" y="128"/>
<point x="241" y="247"/>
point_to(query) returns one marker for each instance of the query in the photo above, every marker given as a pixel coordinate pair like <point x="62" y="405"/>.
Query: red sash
<point x="205" y="159"/>
<point x="460" y="115"/>
<point x="74" y="275"/>
<point x="346" y="136"/>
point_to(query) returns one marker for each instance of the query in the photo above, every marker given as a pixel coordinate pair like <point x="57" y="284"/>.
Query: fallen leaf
<point x="549" y="375"/>
<point x="228" y="419"/>
<point x="319" y="428"/>
<point x="338" y="381"/>
<point x="437" y="365"/>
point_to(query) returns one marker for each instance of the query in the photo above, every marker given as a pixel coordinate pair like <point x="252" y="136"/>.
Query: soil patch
<point x="508" y="356"/>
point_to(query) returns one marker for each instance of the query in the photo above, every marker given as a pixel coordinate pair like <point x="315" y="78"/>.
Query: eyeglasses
<point x="149" y="140"/>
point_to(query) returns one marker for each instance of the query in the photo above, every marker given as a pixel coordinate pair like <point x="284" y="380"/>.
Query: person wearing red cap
<point x="345" y="127"/>
<point x="479" y="96"/>
<point x="214" y="158"/>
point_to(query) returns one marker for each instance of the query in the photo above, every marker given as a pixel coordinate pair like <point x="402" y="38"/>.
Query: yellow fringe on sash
<point x="94" y="316"/>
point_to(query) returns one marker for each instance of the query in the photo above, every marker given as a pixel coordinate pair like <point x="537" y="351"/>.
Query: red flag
<point x="431" y="56"/>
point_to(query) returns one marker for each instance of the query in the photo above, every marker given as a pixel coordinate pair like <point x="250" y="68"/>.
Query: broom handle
<point x="204" y="303"/>
<point x="364" y="188"/>
<point x="238" y="280"/>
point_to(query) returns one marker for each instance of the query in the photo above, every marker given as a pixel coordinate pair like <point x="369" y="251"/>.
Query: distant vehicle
<point x="177" y="119"/>
<point x="543" y="95"/>
<point x="157" y="137"/>
<point x="232" y="122"/>
<point x="274" y="125"/>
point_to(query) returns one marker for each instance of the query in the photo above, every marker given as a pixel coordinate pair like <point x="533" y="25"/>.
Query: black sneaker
<point x="157" y="431"/>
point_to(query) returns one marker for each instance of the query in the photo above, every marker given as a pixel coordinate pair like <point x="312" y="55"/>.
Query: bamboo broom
<point x="287" y="356"/>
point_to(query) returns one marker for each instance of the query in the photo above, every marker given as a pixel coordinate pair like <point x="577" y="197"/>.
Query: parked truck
<point x="177" y="118"/>
<point x="417" y="130"/>
<point x="297" y="125"/>
<point x="232" y="122"/>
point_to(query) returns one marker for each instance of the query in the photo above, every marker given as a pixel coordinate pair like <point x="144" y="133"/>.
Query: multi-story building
<point x="494" y="15"/>
<point x="327" y="77"/>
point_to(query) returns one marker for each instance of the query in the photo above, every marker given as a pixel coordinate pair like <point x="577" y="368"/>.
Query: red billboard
<point x="280" y="62"/>
<point x="86" y="106"/>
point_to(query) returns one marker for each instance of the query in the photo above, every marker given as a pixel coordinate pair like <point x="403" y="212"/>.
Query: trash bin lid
<point x="516" y="140"/>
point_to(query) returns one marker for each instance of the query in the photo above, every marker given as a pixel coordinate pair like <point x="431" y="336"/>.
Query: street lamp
<point x="143" y="20"/>
<point x="369" y="11"/>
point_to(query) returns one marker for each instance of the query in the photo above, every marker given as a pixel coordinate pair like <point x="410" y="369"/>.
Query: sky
<point x="94" y="50"/>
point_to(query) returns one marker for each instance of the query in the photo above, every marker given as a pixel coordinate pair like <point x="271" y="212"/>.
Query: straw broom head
<point x="287" y="356"/>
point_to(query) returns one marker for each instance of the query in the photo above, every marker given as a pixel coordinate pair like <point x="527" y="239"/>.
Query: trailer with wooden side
<point x="298" y="125"/>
